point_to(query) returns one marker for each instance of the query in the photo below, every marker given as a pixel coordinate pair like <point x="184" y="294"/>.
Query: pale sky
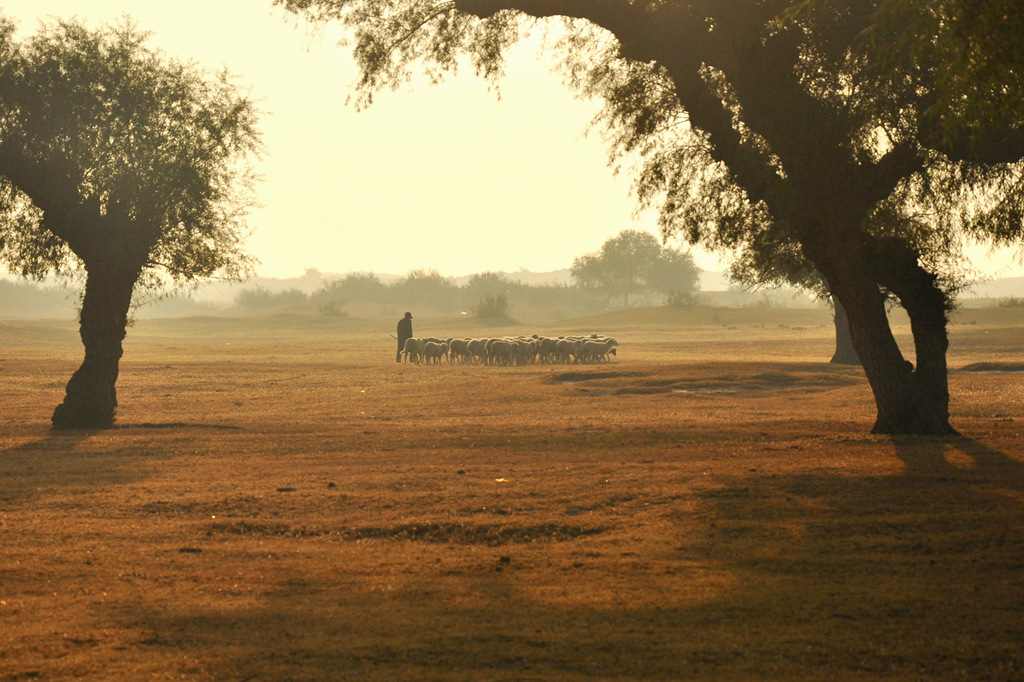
<point x="446" y="177"/>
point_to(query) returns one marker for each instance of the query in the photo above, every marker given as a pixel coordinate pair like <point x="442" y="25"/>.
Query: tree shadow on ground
<point x="962" y="459"/>
<point x="915" y="573"/>
<point x="60" y="462"/>
<point x="177" y="425"/>
<point x="908" y="575"/>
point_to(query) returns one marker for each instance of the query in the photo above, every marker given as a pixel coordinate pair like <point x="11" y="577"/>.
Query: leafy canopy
<point x="634" y="261"/>
<point x="152" y="157"/>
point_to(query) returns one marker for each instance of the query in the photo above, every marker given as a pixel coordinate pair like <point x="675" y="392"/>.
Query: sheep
<point x="512" y="350"/>
<point x="594" y="351"/>
<point x="548" y="349"/>
<point x="433" y="352"/>
<point x="477" y="349"/>
<point x="458" y="349"/>
<point x="413" y="350"/>
<point x="488" y="358"/>
<point x="567" y="350"/>
<point x="525" y="351"/>
<point x="500" y="352"/>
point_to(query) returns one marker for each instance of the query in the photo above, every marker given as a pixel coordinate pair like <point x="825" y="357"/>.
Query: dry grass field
<point x="281" y="501"/>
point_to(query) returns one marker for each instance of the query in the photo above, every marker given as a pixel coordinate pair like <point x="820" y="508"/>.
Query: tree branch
<point x="51" y="190"/>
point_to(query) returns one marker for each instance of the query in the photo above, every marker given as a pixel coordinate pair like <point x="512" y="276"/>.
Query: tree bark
<point x="906" y="404"/>
<point x="845" y="353"/>
<point x="90" y="400"/>
<point x="927" y="306"/>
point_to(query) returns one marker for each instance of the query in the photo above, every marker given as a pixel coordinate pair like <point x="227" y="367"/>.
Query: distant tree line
<point x="632" y="263"/>
<point x="488" y="295"/>
<point x="422" y="289"/>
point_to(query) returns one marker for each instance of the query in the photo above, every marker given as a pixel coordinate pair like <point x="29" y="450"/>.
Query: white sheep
<point x="548" y="349"/>
<point x="567" y="350"/>
<point x="458" y="349"/>
<point x="512" y="350"/>
<point x="433" y="352"/>
<point x="500" y="352"/>
<point x="413" y="350"/>
<point x="478" y="349"/>
<point x="525" y="351"/>
<point x="596" y="351"/>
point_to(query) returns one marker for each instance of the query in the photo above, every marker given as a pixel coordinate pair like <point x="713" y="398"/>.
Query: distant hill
<point x="21" y="300"/>
<point x="532" y="279"/>
<point x="1007" y="287"/>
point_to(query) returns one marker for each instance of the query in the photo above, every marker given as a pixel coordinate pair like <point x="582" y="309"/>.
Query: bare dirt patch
<point x="718" y="378"/>
<point x="994" y="367"/>
<point x="491" y="535"/>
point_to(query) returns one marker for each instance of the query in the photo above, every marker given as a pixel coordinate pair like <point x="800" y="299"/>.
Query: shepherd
<point x="404" y="333"/>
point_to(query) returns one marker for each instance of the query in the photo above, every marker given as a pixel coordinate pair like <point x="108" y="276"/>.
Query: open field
<point x="283" y="501"/>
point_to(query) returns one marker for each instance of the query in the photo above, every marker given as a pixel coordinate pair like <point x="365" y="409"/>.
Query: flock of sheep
<point x="516" y="350"/>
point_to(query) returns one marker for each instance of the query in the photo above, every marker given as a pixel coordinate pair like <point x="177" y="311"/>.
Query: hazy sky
<point x="444" y="177"/>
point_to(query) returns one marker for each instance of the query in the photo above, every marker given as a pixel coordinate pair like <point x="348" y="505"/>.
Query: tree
<point x="121" y="163"/>
<point x="756" y="125"/>
<point x="621" y="266"/>
<point x="973" y="51"/>
<point x="634" y="261"/>
<point x="424" y="287"/>
<point x="675" y="274"/>
<point x="490" y="283"/>
<point x="364" y="287"/>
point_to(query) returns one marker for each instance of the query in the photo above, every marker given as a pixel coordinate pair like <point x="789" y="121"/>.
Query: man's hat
<point x="409" y="315"/>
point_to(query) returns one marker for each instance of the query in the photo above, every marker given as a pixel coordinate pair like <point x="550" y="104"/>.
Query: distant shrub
<point x="1011" y="302"/>
<point x="292" y="298"/>
<point x="333" y="308"/>
<point x="257" y="297"/>
<point x="493" y="307"/>
<point x="763" y="302"/>
<point x="682" y="299"/>
<point x="260" y="297"/>
<point x="357" y="286"/>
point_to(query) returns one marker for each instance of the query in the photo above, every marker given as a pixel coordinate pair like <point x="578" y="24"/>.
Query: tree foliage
<point x="154" y="144"/>
<point x="633" y="262"/>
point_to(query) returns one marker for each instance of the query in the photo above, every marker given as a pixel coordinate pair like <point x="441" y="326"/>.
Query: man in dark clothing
<point x="404" y="333"/>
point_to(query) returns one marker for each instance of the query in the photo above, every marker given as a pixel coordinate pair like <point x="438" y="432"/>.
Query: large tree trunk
<point x="845" y="353"/>
<point x="90" y="401"/>
<point x="927" y="305"/>
<point x="906" y="403"/>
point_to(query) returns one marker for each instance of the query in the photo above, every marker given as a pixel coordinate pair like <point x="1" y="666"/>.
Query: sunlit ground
<point x="283" y="501"/>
